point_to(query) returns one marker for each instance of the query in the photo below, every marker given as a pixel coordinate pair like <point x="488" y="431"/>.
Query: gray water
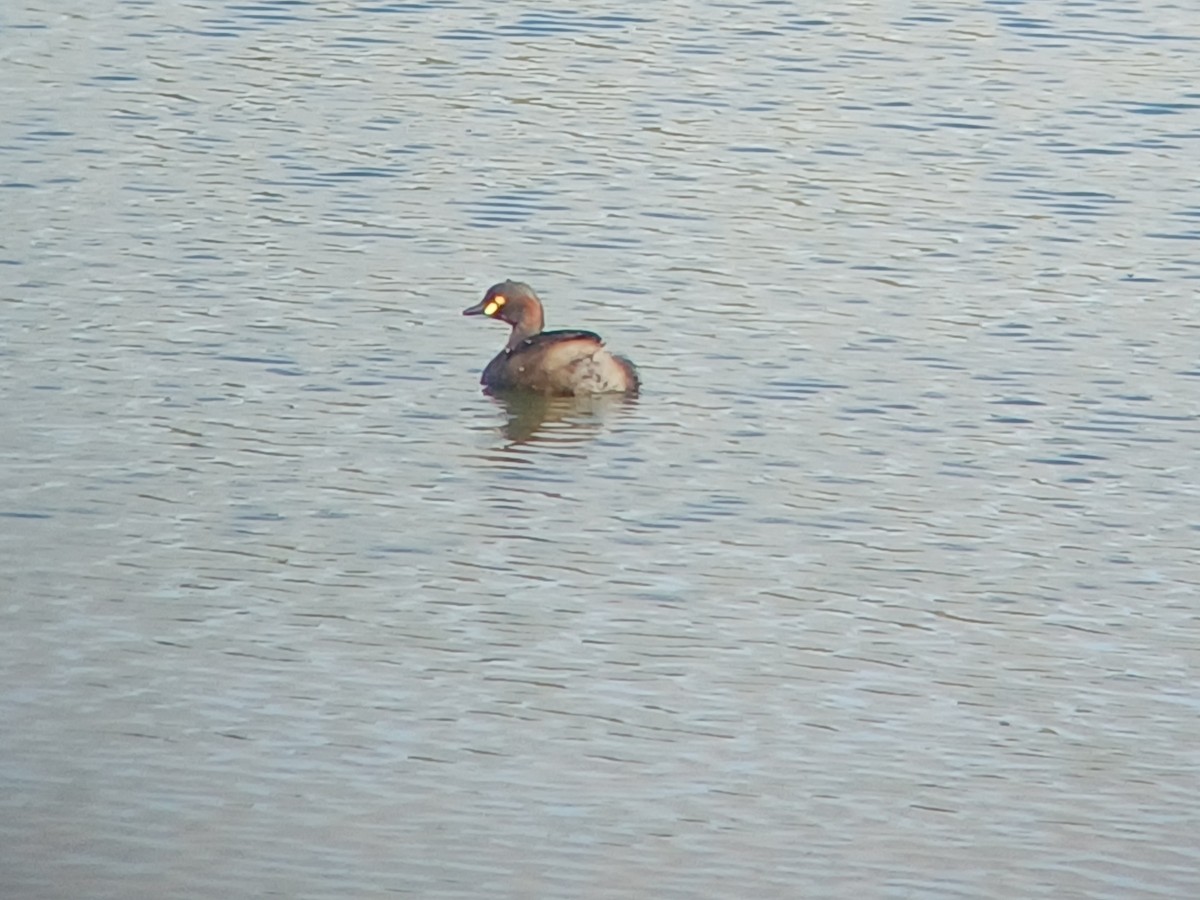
<point x="885" y="586"/>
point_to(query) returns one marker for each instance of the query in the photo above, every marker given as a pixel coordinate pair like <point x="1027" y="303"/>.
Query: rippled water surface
<point x="886" y="585"/>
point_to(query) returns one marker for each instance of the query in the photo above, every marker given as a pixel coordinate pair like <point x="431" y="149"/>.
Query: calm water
<point x="885" y="587"/>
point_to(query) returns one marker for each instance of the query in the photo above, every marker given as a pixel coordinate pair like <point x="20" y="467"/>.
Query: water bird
<point x="556" y="363"/>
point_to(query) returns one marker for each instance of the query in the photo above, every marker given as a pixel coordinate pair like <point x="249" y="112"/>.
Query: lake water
<point x="886" y="586"/>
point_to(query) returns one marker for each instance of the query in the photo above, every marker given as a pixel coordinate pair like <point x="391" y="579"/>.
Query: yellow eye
<point x="494" y="304"/>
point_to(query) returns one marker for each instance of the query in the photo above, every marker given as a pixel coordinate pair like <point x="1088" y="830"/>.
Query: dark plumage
<point x="561" y="363"/>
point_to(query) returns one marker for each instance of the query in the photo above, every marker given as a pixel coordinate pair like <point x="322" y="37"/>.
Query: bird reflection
<point x="561" y="420"/>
